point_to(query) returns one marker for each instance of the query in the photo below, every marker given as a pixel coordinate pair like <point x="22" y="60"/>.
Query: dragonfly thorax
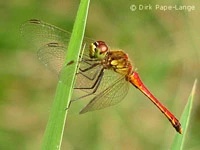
<point x="118" y="61"/>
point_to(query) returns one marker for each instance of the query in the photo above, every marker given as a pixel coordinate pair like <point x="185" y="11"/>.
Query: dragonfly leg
<point x="86" y="69"/>
<point x="95" y="86"/>
<point x="93" y="77"/>
<point x="96" y="81"/>
<point x="68" y="105"/>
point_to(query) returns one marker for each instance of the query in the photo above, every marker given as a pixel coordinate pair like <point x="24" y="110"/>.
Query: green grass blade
<point x="178" y="141"/>
<point x="55" y="126"/>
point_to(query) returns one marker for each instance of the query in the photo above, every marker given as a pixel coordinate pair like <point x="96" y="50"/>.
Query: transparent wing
<point x="40" y="33"/>
<point x="112" y="94"/>
<point x="51" y="41"/>
<point x="52" y="55"/>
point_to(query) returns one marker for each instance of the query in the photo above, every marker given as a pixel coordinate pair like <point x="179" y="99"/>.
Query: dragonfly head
<point x="98" y="50"/>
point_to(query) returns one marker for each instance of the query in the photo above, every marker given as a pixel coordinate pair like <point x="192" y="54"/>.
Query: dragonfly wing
<point x="52" y="55"/>
<point x="41" y="34"/>
<point x="112" y="95"/>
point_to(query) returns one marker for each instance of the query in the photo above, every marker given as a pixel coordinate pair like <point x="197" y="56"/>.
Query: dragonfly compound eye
<point x="102" y="47"/>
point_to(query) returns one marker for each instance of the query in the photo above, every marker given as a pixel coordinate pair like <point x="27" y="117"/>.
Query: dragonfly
<point x="104" y="73"/>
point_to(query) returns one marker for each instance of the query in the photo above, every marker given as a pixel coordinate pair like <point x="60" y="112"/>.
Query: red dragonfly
<point x="104" y="73"/>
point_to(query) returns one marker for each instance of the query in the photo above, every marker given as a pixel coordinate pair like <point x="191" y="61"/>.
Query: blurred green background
<point x="163" y="46"/>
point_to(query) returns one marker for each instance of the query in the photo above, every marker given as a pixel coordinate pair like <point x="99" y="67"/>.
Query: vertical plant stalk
<point x="55" y="126"/>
